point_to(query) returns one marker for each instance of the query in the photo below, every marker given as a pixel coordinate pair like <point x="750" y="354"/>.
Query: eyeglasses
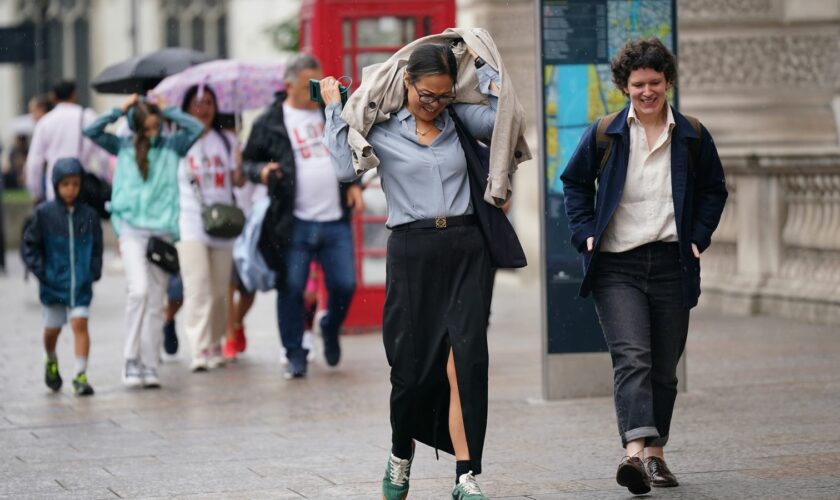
<point x="427" y="98"/>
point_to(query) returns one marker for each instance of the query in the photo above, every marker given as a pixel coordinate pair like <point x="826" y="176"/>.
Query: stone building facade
<point x="764" y="76"/>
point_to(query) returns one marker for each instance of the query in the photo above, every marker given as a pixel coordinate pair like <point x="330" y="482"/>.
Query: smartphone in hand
<point x="315" y="92"/>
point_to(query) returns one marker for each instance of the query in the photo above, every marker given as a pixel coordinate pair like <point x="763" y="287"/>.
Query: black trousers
<point x="438" y="289"/>
<point x="638" y="296"/>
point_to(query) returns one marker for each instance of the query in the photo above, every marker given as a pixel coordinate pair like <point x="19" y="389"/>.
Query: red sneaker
<point x="239" y="340"/>
<point x="229" y="350"/>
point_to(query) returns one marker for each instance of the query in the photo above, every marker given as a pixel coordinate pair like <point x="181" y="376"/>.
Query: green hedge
<point x="16" y="196"/>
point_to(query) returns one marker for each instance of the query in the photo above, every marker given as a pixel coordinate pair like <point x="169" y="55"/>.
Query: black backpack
<point x="96" y="193"/>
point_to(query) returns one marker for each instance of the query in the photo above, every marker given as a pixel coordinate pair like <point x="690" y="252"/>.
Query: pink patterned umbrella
<point x="238" y="85"/>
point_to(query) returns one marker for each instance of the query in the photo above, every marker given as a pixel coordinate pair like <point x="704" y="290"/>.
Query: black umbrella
<point x="140" y="74"/>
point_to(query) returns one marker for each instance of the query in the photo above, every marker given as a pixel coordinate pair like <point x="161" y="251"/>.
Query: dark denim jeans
<point x="331" y="244"/>
<point x="638" y="297"/>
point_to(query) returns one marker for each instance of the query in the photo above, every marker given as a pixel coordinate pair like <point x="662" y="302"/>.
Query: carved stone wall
<point x="705" y="10"/>
<point x="800" y="60"/>
<point x="762" y="74"/>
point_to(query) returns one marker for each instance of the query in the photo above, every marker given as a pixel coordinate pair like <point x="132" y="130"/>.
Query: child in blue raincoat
<point x="62" y="246"/>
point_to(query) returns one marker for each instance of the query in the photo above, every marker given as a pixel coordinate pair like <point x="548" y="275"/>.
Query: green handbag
<point x="220" y="220"/>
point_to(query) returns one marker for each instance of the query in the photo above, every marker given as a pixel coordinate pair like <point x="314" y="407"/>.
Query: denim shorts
<point x="55" y="315"/>
<point x="175" y="288"/>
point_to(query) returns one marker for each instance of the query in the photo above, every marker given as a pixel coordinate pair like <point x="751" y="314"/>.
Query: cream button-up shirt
<point x="645" y="213"/>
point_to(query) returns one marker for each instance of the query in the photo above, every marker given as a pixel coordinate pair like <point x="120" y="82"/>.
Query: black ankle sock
<point x="461" y="468"/>
<point x="403" y="452"/>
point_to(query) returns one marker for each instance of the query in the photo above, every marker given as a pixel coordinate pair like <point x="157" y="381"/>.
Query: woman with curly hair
<point x="660" y="193"/>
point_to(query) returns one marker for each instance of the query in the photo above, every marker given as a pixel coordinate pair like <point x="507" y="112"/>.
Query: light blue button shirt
<point x="419" y="181"/>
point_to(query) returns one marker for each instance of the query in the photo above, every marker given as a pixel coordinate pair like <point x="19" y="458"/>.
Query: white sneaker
<point x="150" y="377"/>
<point x="316" y="321"/>
<point x="467" y="488"/>
<point x="309" y="344"/>
<point x="215" y="358"/>
<point x="132" y="374"/>
<point x="200" y="363"/>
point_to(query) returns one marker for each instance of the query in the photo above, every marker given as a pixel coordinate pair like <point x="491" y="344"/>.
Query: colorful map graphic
<point x="578" y="94"/>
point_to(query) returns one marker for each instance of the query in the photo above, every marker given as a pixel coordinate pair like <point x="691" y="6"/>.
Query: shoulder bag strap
<point x="694" y="145"/>
<point x="228" y="150"/>
<point x="194" y="178"/>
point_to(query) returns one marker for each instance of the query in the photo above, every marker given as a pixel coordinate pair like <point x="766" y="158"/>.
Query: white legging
<point x="146" y="290"/>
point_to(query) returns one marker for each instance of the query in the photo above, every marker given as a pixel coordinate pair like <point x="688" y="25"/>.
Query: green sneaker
<point x="467" y="488"/>
<point x="395" y="482"/>
<point x="81" y="386"/>
<point x="52" y="377"/>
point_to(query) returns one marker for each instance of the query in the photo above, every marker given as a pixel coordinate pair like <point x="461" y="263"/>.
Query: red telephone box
<point x="346" y="36"/>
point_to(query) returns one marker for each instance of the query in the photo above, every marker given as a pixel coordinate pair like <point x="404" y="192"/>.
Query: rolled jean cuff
<point x="657" y="442"/>
<point x="639" y="433"/>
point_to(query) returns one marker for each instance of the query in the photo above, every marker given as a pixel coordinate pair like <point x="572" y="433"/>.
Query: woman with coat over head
<point x="640" y="219"/>
<point x="439" y="273"/>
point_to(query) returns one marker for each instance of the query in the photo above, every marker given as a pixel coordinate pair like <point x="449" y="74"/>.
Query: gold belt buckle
<point x="440" y="222"/>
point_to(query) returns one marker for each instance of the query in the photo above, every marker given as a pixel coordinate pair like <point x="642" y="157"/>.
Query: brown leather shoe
<point x="660" y="475"/>
<point x="633" y="476"/>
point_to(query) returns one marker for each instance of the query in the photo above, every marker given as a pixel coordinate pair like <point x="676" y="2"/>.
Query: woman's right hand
<point x="329" y="91"/>
<point x="131" y="101"/>
<point x="590" y="243"/>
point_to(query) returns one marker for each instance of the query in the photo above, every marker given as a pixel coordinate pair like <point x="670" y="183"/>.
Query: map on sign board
<point x="579" y="37"/>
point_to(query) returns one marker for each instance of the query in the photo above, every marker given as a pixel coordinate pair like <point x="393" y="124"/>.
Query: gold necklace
<point x="423" y="134"/>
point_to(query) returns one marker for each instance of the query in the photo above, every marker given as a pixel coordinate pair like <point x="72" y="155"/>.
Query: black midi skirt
<point x="438" y="292"/>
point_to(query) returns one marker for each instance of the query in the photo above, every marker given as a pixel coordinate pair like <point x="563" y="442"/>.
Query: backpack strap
<point x="694" y="144"/>
<point x="603" y="141"/>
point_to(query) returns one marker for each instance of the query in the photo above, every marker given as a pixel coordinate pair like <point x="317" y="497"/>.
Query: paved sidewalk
<point x="761" y="418"/>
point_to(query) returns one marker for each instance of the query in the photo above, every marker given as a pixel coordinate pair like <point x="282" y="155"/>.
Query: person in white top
<point x="312" y="217"/>
<point x="211" y="167"/>
<point x="59" y="135"/>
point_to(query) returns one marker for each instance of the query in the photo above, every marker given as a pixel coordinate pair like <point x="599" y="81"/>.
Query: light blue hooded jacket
<point x="150" y="203"/>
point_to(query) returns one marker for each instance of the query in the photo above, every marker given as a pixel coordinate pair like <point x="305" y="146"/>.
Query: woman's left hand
<point x="355" y="199"/>
<point x="695" y="250"/>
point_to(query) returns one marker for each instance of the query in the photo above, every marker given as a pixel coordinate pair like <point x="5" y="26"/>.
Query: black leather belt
<point x="438" y="223"/>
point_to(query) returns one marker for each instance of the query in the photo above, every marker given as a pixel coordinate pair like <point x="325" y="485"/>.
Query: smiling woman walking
<point x="439" y="272"/>
<point x="660" y="193"/>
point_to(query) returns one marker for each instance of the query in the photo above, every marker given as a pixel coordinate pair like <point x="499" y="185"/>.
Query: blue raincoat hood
<point x="65" y="167"/>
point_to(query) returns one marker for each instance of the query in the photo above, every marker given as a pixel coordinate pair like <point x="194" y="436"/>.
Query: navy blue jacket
<point x="63" y="249"/>
<point x="699" y="195"/>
